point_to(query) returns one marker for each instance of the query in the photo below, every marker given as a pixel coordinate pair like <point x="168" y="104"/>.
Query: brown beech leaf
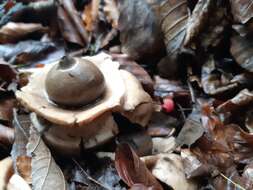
<point x="140" y="73"/>
<point x="168" y="168"/>
<point x="242" y="50"/>
<point x="206" y="24"/>
<point x="242" y="10"/>
<point x="242" y="99"/>
<point x="12" y="32"/>
<point x="140" y="33"/>
<point x="45" y="172"/>
<point x="173" y="17"/>
<point x="132" y="170"/>
<point x="71" y="24"/>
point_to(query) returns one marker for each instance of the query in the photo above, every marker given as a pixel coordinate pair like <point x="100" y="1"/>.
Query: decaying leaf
<point x="215" y="82"/>
<point x="206" y="24"/>
<point x="242" y="10"/>
<point x="140" y="33"/>
<point x="140" y="141"/>
<point x="192" y="129"/>
<point x="242" y="99"/>
<point x="132" y="170"/>
<point x="169" y="169"/>
<point x="7" y="72"/>
<point x="12" y="32"/>
<point x="192" y="166"/>
<point x="45" y="172"/>
<point x="173" y="16"/>
<point x="249" y="120"/>
<point x="163" y="145"/>
<point x="242" y="50"/>
<point x="26" y="51"/>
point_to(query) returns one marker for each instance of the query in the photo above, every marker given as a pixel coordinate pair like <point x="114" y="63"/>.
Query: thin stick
<point x="235" y="184"/>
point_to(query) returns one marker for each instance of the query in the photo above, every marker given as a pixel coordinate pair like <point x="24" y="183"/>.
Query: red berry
<point x="168" y="105"/>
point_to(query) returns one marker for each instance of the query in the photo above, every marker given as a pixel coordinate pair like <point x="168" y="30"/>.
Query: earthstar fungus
<point x="81" y="120"/>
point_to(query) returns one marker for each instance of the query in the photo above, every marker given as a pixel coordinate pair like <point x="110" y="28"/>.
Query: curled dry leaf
<point x="206" y="24"/>
<point x="140" y="33"/>
<point x="71" y="24"/>
<point x="169" y="169"/>
<point x="242" y="99"/>
<point x="45" y="172"/>
<point x="242" y="10"/>
<point x="13" y="32"/>
<point x="242" y="50"/>
<point x="132" y="170"/>
<point x="140" y="73"/>
<point x="26" y="51"/>
<point x="173" y="17"/>
<point x="6" y="171"/>
<point x="215" y="82"/>
<point x="7" y="72"/>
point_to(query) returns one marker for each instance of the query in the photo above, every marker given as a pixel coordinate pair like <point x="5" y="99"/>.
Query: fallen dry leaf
<point x="132" y="170"/>
<point x="45" y="172"/>
<point x="241" y="49"/>
<point x="169" y="169"/>
<point x="206" y="24"/>
<point x="90" y="15"/>
<point x="140" y="33"/>
<point x="242" y="10"/>
<point x="6" y="109"/>
<point x="13" y="32"/>
<point x="242" y="99"/>
<point x="173" y="17"/>
<point x="133" y="67"/>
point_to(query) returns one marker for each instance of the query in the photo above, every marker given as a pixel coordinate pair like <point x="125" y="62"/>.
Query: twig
<point x="193" y="97"/>
<point x="182" y="111"/>
<point x="88" y="176"/>
<point x="235" y="184"/>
